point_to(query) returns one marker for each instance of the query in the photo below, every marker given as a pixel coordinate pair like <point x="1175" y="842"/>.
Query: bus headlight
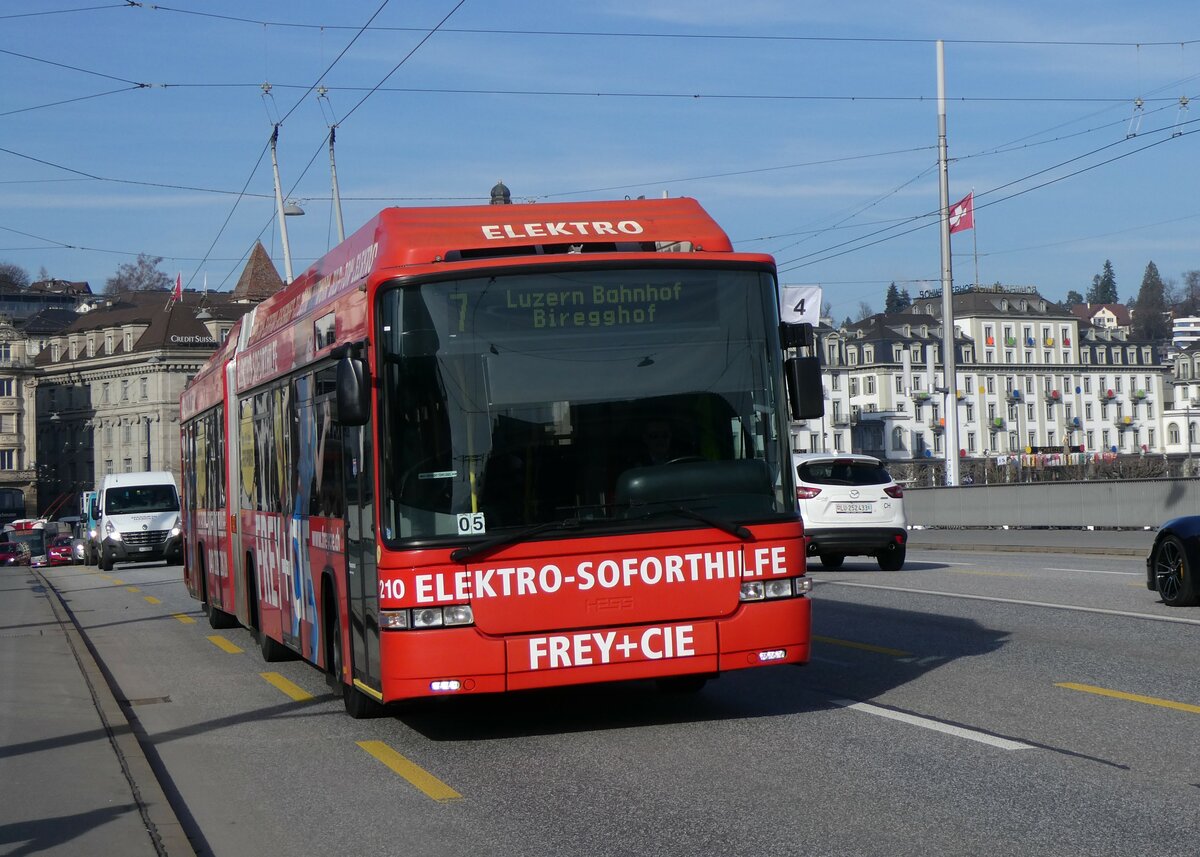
<point x="766" y="590"/>
<point x="422" y="618"/>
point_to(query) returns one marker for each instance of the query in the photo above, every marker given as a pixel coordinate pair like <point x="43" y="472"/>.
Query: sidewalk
<point x="1130" y="543"/>
<point x="75" y="780"/>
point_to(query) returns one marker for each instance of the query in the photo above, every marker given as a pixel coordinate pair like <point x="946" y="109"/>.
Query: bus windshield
<point x="601" y="394"/>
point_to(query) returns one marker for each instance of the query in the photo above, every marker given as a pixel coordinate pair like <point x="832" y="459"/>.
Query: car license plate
<point x="144" y="549"/>
<point x="852" y="508"/>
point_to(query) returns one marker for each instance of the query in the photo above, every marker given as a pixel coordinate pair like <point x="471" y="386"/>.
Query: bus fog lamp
<point x="803" y="585"/>
<point x="772" y="655"/>
<point x="445" y="685"/>
<point x="393" y="620"/>
<point x="778" y="588"/>
<point x="430" y="617"/>
<point x="752" y="591"/>
<point x="458" y="614"/>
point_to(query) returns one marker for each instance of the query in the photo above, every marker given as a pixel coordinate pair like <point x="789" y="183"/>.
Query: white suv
<point x="850" y="505"/>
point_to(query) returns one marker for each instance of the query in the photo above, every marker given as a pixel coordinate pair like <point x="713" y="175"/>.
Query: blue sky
<point x="808" y="130"/>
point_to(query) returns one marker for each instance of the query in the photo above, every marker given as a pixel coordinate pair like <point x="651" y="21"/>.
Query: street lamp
<point x="1192" y="403"/>
<point x="148" y="418"/>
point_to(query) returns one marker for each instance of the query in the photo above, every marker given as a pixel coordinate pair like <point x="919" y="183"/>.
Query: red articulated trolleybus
<point x="420" y="466"/>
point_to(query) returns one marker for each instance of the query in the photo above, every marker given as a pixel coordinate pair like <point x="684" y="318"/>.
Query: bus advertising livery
<point x="492" y="448"/>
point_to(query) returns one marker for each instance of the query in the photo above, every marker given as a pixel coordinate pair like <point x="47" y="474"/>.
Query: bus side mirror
<point x="94" y="511"/>
<point x="353" y="392"/>
<point x="806" y="396"/>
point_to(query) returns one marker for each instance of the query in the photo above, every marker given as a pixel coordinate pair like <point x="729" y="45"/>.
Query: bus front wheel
<point x="358" y="704"/>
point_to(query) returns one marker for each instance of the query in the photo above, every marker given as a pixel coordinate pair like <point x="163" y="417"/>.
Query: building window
<point x="899" y="384"/>
<point x="128" y="465"/>
<point x="125" y="390"/>
<point x="145" y="385"/>
<point x="6" y="387"/>
<point x="8" y="459"/>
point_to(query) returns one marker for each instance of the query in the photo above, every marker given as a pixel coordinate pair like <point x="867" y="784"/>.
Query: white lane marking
<point x="1093" y="571"/>
<point x="936" y="726"/>
<point x="1179" y="619"/>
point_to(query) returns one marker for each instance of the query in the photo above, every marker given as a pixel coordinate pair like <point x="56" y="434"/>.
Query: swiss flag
<point x="962" y="214"/>
<point x="177" y="295"/>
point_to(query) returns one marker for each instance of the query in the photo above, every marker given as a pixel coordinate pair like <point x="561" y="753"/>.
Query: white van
<point x="137" y="516"/>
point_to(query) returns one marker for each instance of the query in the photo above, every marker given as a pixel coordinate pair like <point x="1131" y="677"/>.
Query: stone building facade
<point x="108" y="390"/>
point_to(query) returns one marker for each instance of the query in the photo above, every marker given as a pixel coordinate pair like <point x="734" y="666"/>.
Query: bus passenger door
<point x="362" y="585"/>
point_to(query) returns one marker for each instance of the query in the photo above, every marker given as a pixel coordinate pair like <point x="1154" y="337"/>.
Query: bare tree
<point x="13" y="276"/>
<point x="864" y="311"/>
<point x="140" y="276"/>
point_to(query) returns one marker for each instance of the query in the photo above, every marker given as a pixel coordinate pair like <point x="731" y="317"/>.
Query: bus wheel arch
<point x="358" y="704"/>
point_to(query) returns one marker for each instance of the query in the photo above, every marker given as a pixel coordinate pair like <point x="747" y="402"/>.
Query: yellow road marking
<point x="187" y="620"/>
<point x="293" y="690"/>
<point x="117" y="582"/>
<point x="132" y="589"/>
<point x="152" y="599"/>
<point x="1132" y="697"/>
<point x="223" y="644"/>
<point x="866" y="647"/>
<point x="415" y="774"/>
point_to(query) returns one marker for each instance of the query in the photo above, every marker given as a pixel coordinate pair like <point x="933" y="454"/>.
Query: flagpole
<point x="974" y="237"/>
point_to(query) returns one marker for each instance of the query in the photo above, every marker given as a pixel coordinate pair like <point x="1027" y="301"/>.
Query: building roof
<point x="49" y="320"/>
<point x="61" y="287"/>
<point x="259" y="279"/>
<point x="1087" y="312"/>
<point x="1010" y="301"/>
<point x="161" y="322"/>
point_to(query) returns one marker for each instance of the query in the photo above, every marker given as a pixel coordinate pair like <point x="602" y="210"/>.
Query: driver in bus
<point x="658" y="443"/>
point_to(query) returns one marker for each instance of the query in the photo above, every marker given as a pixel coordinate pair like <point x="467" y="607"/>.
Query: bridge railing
<point x="1128" y="503"/>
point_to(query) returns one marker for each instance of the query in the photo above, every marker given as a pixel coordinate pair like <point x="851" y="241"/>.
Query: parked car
<point x="60" y="551"/>
<point x="851" y="506"/>
<point x="1174" y="560"/>
<point x="13" y="553"/>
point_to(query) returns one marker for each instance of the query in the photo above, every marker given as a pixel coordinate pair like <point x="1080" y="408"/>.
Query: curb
<point x="163" y="829"/>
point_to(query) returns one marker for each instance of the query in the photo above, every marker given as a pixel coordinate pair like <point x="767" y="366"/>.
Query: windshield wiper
<point x="717" y="523"/>
<point x="465" y="554"/>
